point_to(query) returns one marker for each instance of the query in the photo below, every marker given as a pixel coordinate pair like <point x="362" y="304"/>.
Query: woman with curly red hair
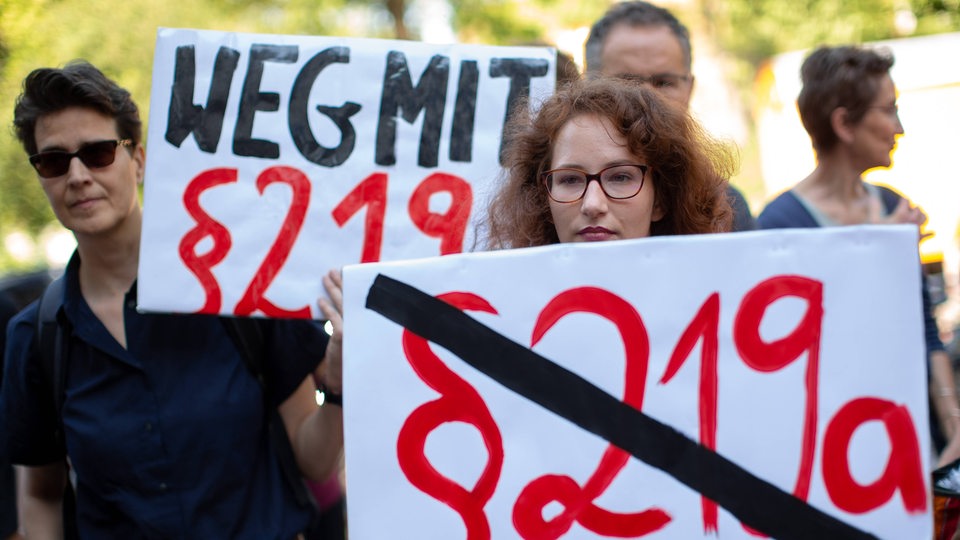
<point x="657" y="172"/>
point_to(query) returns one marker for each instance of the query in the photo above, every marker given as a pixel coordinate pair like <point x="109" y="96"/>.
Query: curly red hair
<point x="688" y="167"/>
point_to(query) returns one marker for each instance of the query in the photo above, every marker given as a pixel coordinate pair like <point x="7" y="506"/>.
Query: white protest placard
<point x="672" y="387"/>
<point x="274" y="158"/>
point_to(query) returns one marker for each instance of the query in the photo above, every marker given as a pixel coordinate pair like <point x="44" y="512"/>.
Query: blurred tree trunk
<point x="397" y="8"/>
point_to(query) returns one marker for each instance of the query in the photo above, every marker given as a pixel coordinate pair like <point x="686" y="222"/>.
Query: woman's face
<point x="875" y="135"/>
<point x="590" y="143"/>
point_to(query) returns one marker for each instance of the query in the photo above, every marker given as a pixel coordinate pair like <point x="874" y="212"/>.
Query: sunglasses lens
<point x="50" y="164"/>
<point x="57" y="163"/>
<point x="99" y="154"/>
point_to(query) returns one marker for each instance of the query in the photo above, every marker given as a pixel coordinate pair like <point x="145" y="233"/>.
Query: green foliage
<point x="494" y="21"/>
<point x="936" y="16"/>
<point x="119" y="38"/>
<point x="754" y="30"/>
<point x="506" y="22"/>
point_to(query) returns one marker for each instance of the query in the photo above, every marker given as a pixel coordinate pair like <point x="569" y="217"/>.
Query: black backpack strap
<point x="248" y="335"/>
<point x="53" y="347"/>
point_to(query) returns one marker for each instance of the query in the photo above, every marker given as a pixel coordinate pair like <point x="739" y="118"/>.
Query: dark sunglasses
<point x="94" y="155"/>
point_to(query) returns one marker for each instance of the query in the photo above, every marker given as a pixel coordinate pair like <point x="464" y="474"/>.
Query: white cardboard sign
<point x="273" y="158"/>
<point x="681" y="387"/>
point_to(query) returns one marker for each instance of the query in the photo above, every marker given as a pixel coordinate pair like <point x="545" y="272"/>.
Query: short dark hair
<point x="843" y="76"/>
<point x="77" y="84"/>
<point x="633" y="14"/>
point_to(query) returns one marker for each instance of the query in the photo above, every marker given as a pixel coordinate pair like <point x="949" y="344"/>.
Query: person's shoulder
<point x="306" y="329"/>
<point x="293" y="336"/>
<point x="23" y="324"/>
<point x="300" y="345"/>
<point x="743" y="219"/>
<point x="303" y="325"/>
<point x="783" y="211"/>
<point x="7" y="308"/>
<point x="890" y="197"/>
<point x="26" y="316"/>
<point x="20" y="340"/>
<point x="888" y="191"/>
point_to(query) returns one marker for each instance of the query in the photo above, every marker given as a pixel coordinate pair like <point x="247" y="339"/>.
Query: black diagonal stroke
<point x="752" y="500"/>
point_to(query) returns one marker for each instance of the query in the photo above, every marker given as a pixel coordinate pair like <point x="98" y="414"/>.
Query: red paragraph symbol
<point x="458" y="402"/>
<point x="577" y="500"/>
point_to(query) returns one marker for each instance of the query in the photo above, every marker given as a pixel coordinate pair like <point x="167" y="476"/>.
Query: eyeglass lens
<point x="94" y="155"/>
<point x="662" y="81"/>
<point x="618" y="182"/>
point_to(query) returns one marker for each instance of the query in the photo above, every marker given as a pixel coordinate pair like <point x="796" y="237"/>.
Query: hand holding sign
<point x="332" y="310"/>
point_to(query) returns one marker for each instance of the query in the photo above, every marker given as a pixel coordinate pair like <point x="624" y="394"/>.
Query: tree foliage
<point x="754" y="30"/>
<point x="508" y="22"/>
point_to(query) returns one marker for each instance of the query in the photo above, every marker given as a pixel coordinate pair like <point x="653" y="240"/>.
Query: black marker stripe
<point x="752" y="500"/>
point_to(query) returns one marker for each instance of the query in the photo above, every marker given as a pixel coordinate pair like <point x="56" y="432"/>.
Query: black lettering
<point x="253" y="100"/>
<point x="520" y="71"/>
<point x="464" y="112"/>
<point x="184" y="117"/>
<point x="300" y="124"/>
<point x="399" y="93"/>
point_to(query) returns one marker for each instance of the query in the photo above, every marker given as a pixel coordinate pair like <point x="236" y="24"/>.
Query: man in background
<point x="642" y="42"/>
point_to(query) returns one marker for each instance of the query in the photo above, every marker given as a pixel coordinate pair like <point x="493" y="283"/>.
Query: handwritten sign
<point x="655" y="388"/>
<point x="274" y="158"/>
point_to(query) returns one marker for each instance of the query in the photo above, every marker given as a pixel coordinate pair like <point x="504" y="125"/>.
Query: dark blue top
<point x="786" y="211"/>
<point x="8" y="494"/>
<point x="742" y="218"/>
<point x="167" y="437"/>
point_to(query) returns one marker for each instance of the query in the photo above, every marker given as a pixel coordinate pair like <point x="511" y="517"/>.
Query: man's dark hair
<point x="633" y="14"/>
<point x="78" y="84"/>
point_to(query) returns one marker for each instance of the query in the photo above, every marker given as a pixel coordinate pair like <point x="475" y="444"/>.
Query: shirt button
<point x="163" y="486"/>
<point x="148" y="426"/>
<point x="131" y="304"/>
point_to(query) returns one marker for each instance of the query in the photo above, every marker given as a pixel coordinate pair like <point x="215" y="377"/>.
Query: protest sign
<point x="673" y="387"/>
<point x="274" y="158"/>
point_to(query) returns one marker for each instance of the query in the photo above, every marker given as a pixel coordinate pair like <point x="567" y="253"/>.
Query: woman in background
<point x="848" y="105"/>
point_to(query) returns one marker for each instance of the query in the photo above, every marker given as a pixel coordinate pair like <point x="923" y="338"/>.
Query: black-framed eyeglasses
<point x="660" y="81"/>
<point x="94" y="155"/>
<point x="616" y="181"/>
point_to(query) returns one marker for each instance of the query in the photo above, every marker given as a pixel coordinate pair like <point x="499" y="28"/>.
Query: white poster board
<point x="595" y="391"/>
<point x="274" y="158"/>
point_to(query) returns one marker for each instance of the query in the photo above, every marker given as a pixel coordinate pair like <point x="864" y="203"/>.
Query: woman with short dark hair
<point x="848" y="105"/>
